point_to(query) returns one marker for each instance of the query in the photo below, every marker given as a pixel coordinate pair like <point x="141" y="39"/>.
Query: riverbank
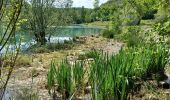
<point x="30" y="75"/>
<point x="33" y="75"/>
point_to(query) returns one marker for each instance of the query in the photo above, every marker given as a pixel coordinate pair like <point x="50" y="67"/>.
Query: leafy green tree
<point x="43" y="14"/>
<point x="142" y="7"/>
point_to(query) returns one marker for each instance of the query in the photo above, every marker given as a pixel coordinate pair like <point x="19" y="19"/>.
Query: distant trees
<point x="83" y="14"/>
<point x="80" y="15"/>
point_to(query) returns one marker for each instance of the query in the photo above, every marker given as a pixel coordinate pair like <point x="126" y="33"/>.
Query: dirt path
<point x="31" y="79"/>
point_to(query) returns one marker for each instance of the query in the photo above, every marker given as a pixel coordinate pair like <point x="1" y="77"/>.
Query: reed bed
<point x="110" y="77"/>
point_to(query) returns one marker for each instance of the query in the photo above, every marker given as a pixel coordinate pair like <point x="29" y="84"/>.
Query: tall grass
<point x="62" y="77"/>
<point x="113" y="77"/>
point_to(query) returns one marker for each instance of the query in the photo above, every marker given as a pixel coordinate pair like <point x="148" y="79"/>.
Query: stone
<point x="163" y="84"/>
<point x="87" y="97"/>
<point x="90" y="59"/>
<point x="151" y="97"/>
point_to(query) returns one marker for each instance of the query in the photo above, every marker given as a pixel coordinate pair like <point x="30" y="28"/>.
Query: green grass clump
<point x="113" y="77"/>
<point x="68" y="79"/>
<point x="61" y="76"/>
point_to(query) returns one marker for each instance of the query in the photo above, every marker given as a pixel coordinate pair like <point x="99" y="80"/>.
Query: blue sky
<point x="85" y="3"/>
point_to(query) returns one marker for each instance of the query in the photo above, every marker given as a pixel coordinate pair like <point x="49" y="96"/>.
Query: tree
<point x="142" y="7"/>
<point x="42" y="16"/>
<point x="9" y="14"/>
<point x="83" y="14"/>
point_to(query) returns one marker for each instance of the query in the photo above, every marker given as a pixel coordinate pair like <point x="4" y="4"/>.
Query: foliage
<point x="149" y="14"/>
<point x="43" y="15"/>
<point x="109" y="33"/>
<point x="163" y="11"/>
<point x="163" y="28"/>
<point x="66" y="78"/>
<point x="133" y="36"/>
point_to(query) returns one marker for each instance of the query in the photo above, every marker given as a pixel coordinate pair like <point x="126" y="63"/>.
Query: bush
<point x="132" y="36"/>
<point x="108" y="33"/>
<point x="163" y="28"/>
<point x="149" y="14"/>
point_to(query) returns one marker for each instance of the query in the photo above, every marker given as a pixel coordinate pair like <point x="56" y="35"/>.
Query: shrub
<point x="108" y="33"/>
<point x="163" y="28"/>
<point x="150" y="14"/>
<point x="132" y="36"/>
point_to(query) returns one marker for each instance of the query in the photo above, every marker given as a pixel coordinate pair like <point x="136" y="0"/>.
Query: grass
<point x="111" y="77"/>
<point x="23" y="60"/>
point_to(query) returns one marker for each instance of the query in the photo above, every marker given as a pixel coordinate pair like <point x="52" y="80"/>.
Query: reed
<point x="112" y="77"/>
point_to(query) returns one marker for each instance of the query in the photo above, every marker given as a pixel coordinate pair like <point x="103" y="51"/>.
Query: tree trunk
<point x="40" y="37"/>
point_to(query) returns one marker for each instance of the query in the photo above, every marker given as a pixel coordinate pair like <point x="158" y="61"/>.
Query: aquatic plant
<point x="113" y="77"/>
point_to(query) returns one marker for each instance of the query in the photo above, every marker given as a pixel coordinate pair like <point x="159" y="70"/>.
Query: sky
<point x="86" y="3"/>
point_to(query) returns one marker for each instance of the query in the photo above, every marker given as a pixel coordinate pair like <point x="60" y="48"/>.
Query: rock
<point x="90" y="59"/>
<point x="164" y="85"/>
<point x="87" y="89"/>
<point x="87" y="97"/>
<point x="92" y="35"/>
<point x="97" y="36"/>
<point x="92" y="38"/>
<point x="150" y="97"/>
<point x="79" y="98"/>
<point x="71" y="58"/>
<point x="82" y="53"/>
<point x="81" y="39"/>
